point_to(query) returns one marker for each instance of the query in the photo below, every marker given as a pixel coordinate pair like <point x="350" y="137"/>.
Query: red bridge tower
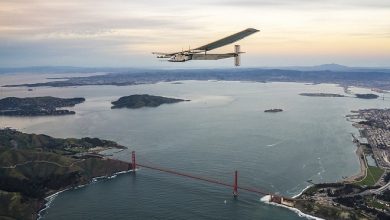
<point x="133" y="164"/>
<point x="235" y="185"/>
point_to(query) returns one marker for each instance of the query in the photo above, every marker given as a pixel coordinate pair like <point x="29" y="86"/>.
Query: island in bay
<point x="359" y="96"/>
<point x="144" y="100"/>
<point x="321" y="95"/>
<point x="37" y="106"/>
<point x="366" y="96"/>
<point x="273" y="110"/>
<point x="34" y="166"/>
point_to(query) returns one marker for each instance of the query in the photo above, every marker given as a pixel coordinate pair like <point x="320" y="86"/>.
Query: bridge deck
<point x="204" y="179"/>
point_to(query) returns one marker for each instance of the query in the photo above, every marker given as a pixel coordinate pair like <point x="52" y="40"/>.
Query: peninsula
<point x="37" y="106"/>
<point x="34" y="166"/>
<point x="139" y="101"/>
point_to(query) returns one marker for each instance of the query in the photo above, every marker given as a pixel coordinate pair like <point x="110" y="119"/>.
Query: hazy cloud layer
<point x="120" y="32"/>
<point x="335" y="4"/>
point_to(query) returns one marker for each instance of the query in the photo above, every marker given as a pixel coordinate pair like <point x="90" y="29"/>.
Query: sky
<point x="123" y="33"/>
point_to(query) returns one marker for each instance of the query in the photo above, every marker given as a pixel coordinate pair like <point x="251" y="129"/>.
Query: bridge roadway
<point x="133" y="164"/>
<point x="203" y="179"/>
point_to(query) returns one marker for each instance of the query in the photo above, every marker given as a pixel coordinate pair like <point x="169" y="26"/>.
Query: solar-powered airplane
<point x="200" y="53"/>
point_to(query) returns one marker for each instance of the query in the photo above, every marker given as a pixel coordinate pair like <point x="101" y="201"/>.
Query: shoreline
<point x="50" y="198"/>
<point x="267" y="200"/>
<point x="336" y="199"/>
<point x="295" y="210"/>
<point x="303" y="190"/>
<point x="350" y="179"/>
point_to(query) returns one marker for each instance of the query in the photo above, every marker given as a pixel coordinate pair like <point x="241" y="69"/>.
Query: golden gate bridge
<point x="234" y="185"/>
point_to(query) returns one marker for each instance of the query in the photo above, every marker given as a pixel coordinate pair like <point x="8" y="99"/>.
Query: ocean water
<point x="223" y="128"/>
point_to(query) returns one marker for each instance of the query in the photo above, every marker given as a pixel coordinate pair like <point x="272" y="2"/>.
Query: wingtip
<point x="253" y="29"/>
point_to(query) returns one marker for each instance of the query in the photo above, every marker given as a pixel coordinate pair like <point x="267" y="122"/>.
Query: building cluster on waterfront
<point x="376" y="128"/>
<point x="380" y="137"/>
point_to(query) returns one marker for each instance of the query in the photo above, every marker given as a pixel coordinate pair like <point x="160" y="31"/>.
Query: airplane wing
<point x="212" y="56"/>
<point x="228" y="40"/>
<point x="219" y="43"/>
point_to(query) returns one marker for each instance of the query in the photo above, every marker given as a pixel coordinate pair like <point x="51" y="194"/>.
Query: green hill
<point x="34" y="166"/>
<point x="139" y="101"/>
<point x="37" y="106"/>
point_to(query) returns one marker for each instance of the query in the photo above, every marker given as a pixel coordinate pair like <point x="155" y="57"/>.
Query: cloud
<point x="294" y="4"/>
<point x="71" y="31"/>
<point x="78" y="52"/>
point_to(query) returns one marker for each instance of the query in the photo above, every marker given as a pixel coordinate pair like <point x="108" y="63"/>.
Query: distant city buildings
<point x="375" y="127"/>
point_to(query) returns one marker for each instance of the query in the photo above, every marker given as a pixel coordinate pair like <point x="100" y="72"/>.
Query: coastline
<point x="356" y="196"/>
<point x="350" y="179"/>
<point x="50" y="198"/>
<point x="300" y="213"/>
<point x="303" y="190"/>
<point x="267" y="200"/>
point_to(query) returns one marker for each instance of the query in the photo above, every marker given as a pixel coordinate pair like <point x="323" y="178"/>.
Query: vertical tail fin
<point x="237" y="56"/>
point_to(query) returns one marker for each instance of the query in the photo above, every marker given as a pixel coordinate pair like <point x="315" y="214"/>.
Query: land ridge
<point x="143" y="100"/>
<point x="37" y="106"/>
<point x="34" y="166"/>
<point x="366" y="78"/>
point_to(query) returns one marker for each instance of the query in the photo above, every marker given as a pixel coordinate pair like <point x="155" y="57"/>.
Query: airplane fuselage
<point x="180" y="58"/>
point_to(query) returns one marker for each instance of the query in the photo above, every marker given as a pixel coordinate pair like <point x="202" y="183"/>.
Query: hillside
<point x="369" y="78"/>
<point x="37" y="106"/>
<point x="35" y="166"/>
<point x="139" y="101"/>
